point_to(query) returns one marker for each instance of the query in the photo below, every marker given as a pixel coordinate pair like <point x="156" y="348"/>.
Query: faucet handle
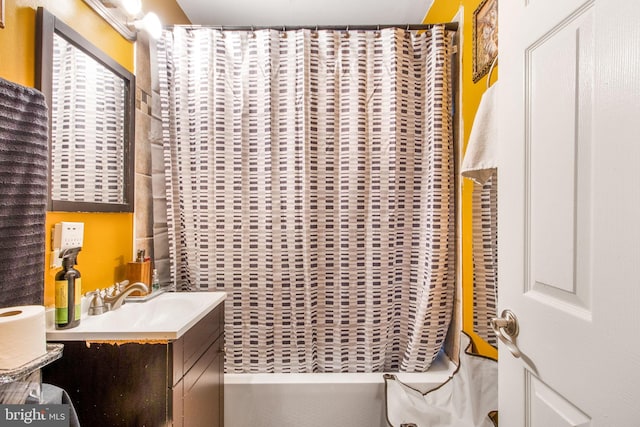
<point x="120" y="286"/>
<point x="97" y="306"/>
<point x="97" y="294"/>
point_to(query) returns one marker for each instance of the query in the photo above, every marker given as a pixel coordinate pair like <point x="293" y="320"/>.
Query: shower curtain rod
<point x="451" y="26"/>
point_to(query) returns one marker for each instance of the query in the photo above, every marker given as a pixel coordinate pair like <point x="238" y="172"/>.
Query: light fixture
<point x="149" y="23"/>
<point x="125" y="16"/>
<point x="131" y="7"/>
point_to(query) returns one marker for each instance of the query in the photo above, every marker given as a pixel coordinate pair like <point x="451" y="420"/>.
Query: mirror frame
<point x="47" y="26"/>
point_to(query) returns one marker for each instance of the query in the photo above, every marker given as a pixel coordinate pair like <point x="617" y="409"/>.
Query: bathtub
<point x="317" y="400"/>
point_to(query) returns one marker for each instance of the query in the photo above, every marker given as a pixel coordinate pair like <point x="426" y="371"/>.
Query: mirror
<point x="91" y="102"/>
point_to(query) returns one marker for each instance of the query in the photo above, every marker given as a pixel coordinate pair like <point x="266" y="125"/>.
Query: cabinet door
<point x="114" y="385"/>
<point x="204" y="389"/>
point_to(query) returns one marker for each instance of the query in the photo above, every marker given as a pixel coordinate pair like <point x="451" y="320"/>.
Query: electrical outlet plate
<point x="65" y="235"/>
<point x="68" y="235"/>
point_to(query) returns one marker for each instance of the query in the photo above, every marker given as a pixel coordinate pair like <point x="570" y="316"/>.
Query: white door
<point x="569" y="211"/>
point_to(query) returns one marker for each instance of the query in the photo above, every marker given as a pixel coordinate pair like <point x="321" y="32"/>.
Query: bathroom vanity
<point x="146" y="375"/>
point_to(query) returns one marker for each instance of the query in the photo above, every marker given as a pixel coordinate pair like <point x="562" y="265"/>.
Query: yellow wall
<point x="108" y="240"/>
<point x="445" y="11"/>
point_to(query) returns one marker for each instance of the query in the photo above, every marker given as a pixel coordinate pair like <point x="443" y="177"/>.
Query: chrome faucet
<point x="115" y="301"/>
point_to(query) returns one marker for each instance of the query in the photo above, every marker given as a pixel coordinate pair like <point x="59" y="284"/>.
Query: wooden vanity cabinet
<point x="198" y="390"/>
<point x="163" y="383"/>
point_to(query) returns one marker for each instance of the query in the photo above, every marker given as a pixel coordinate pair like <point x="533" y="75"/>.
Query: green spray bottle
<point x="68" y="291"/>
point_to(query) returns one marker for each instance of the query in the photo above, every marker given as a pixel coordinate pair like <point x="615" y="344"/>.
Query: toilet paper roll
<point x="22" y="334"/>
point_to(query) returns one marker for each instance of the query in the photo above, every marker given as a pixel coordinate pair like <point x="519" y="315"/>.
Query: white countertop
<point x="165" y="317"/>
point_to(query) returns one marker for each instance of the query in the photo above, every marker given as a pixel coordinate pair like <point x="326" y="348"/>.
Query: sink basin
<point x="165" y="317"/>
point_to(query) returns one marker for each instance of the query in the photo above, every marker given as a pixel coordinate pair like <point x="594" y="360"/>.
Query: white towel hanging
<point x="480" y="160"/>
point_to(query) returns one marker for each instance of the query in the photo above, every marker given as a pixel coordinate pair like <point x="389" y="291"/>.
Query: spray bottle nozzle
<point x="69" y="257"/>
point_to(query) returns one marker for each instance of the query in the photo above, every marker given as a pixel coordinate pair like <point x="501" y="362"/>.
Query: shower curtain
<point x="309" y="174"/>
<point x="485" y="257"/>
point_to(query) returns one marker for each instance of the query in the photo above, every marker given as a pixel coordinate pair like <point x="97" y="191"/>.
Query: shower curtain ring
<point x="377" y="32"/>
<point x="314" y="33"/>
<point x="346" y="32"/>
<point x="252" y="34"/>
<point x="283" y="34"/>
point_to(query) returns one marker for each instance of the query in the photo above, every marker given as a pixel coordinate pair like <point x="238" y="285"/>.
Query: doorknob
<point x="506" y="328"/>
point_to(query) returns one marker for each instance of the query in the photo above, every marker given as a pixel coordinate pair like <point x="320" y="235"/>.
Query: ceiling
<point x="305" y="12"/>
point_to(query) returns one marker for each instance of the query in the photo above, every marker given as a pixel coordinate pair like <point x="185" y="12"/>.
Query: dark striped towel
<point x="23" y="193"/>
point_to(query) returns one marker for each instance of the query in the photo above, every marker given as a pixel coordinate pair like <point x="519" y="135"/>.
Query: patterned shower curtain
<point x="310" y="175"/>
<point x="485" y="257"/>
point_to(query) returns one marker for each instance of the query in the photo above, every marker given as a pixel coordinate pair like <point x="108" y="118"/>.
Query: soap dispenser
<point x="68" y="291"/>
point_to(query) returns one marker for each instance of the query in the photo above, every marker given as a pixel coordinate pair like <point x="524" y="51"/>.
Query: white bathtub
<point x="316" y="400"/>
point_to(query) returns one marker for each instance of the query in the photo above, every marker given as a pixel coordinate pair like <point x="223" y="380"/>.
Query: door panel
<point x="569" y="209"/>
<point x="558" y="103"/>
<point x="548" y="408"/>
